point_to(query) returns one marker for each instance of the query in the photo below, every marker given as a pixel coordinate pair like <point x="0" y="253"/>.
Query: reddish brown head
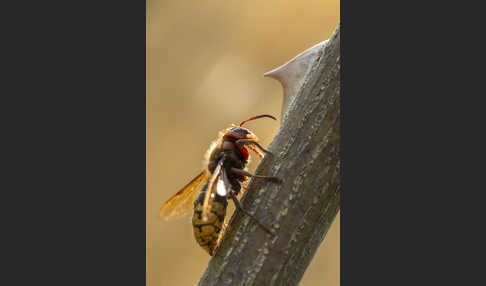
<point x="243" y="133"/>
<point x="240" y="133"/>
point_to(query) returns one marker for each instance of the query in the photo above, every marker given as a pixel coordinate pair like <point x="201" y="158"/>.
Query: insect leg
<point x="248" y="174"/>
<point x="238" y="206"/>
<point x="242" y="142"/>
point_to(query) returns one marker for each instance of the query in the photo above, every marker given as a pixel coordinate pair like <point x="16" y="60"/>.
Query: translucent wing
<point x="180" y="203"/>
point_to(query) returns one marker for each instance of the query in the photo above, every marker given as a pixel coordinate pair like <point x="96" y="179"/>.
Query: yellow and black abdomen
<point x="207" y="233"/>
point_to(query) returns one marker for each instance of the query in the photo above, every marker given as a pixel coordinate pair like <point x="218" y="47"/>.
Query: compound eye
<point x="239" y="133"/>
<point x="240" y="130"/>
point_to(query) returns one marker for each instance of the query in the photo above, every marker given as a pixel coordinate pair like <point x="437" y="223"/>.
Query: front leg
<point x="242" y="142"/>
<point x="241" y="172"/>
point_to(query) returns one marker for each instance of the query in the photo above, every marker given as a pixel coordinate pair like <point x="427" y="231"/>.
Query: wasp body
<point x="221" y="180"/>
<point x="207" y="233"/>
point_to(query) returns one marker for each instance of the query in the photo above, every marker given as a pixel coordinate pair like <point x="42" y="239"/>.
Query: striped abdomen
<point x="207" y="233"/>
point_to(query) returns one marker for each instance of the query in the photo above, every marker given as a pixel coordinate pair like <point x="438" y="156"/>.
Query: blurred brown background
<point x="205" y="65"/>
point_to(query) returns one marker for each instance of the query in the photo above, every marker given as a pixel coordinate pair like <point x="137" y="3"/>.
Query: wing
<point x="210" y="192"/>
<point x="180" y="203"/>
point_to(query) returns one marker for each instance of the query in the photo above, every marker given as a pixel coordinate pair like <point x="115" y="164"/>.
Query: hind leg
<point x="238" y="206"/>
<point x="232" y="194"/>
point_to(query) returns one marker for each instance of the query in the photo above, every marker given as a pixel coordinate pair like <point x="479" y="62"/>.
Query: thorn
<point x="291" y="74"/>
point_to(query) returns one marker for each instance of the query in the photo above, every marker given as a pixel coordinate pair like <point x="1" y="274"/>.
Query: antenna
<point x="256" y="117"/>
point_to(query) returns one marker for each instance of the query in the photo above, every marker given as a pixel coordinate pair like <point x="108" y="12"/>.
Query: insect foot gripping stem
<point x="238" y="206"/>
